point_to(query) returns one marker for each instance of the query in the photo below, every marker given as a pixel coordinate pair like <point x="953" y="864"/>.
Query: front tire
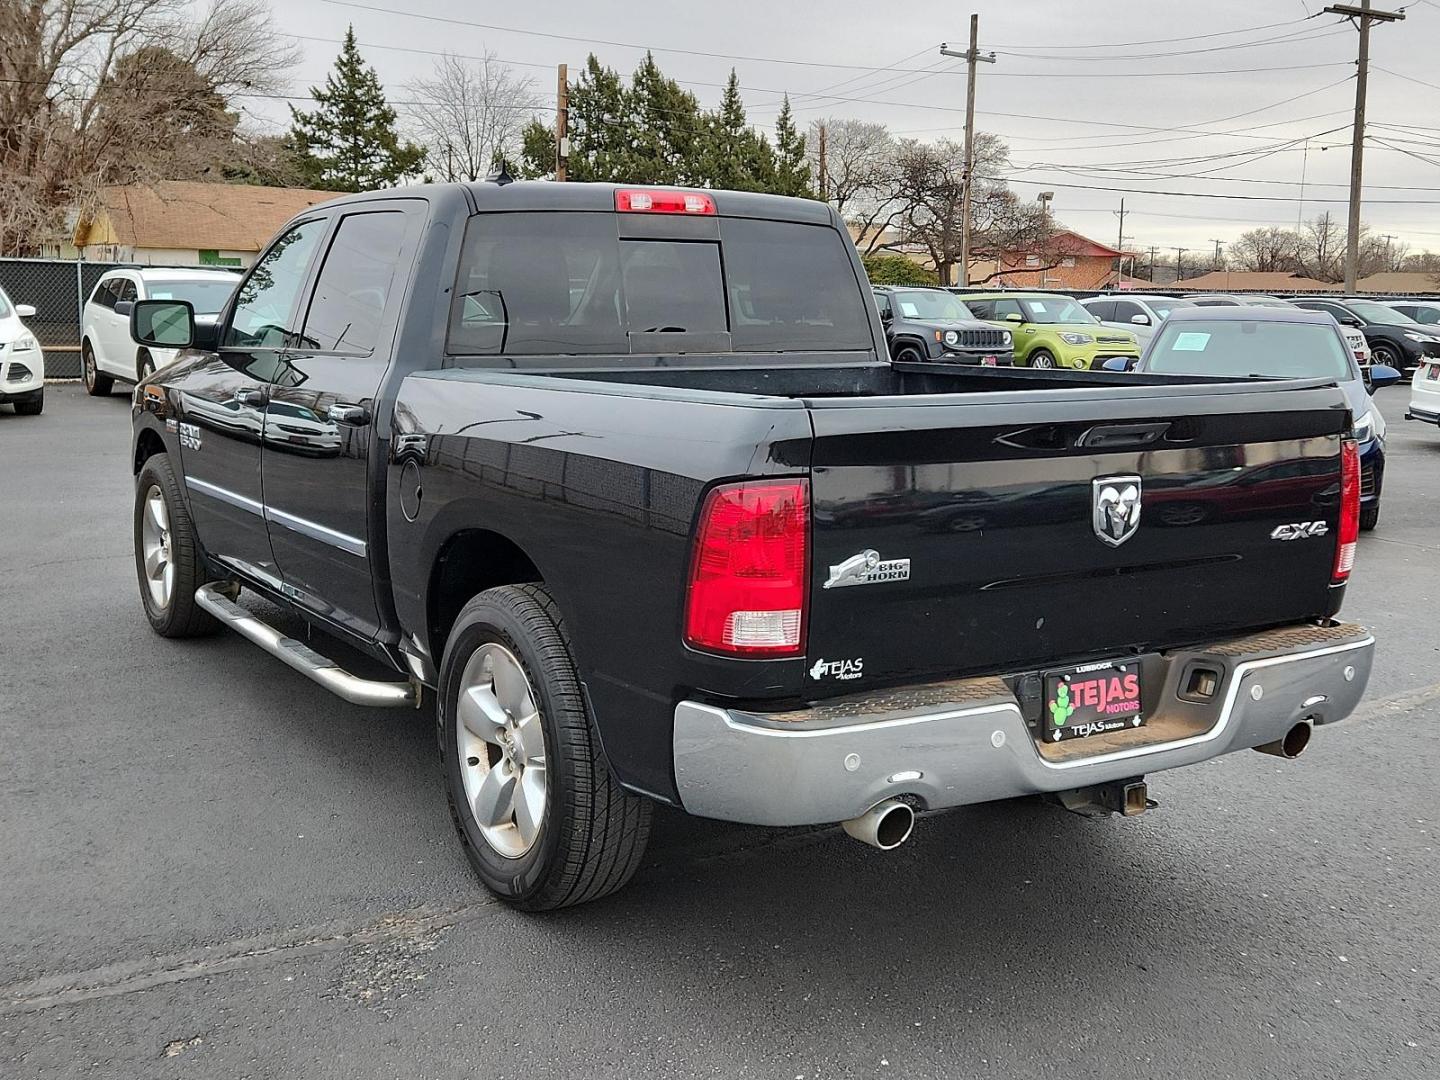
<point x="1041" y="358"/>
<point x="1386" y="355"/>
<point x="167" y="554"/>
<point x="542" y="820"/>
<point x="97" y="383"/>
<point x="908" y="354"/>
<point x="33" y="405"/>
<point x="144" y="365"/>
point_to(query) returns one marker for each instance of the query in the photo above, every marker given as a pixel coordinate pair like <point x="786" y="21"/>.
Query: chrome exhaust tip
<point x="1292" y="745"/>
<point x="885" y="825"/>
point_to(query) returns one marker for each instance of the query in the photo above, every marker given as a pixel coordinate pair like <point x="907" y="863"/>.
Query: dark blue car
<point x="1277" y="343"/>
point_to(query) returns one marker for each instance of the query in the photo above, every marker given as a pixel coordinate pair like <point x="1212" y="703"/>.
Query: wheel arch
<point x="147" y="444"/>
<point x="467" y="563"/>
<point x="903" y="341"/>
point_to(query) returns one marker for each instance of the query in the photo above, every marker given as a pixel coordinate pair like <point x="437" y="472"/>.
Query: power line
<point x="1201" y="194"/>
<point x="1309" y="34"/>
<point x="1167" y="41"/>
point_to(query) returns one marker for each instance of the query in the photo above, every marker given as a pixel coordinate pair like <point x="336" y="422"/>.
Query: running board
<point x="357" y="691"/>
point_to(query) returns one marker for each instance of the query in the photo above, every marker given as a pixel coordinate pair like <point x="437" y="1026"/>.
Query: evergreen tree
<point x="349" y="142"/>
<point x="792" y="168"/>
<point x="667" y="129"/>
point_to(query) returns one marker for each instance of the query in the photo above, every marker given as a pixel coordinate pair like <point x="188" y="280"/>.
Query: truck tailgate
<point x="1004" y="505"/>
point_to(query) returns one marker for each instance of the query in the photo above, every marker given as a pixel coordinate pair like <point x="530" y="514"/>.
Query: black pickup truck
<point x="624" y="477"/>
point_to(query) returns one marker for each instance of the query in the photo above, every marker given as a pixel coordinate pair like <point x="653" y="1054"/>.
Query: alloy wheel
<point x="501" y="746"/>
<point x="155" y="549"/>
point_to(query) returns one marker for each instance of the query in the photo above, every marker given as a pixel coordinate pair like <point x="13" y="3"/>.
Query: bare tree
<point x="863" y="179"/>
<point x="1265" y="250"/>
<point x="72" y="75"/>
<point x="471" y="115"/>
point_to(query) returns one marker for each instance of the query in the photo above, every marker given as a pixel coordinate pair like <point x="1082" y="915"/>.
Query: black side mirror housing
<point x="163" y="324"/>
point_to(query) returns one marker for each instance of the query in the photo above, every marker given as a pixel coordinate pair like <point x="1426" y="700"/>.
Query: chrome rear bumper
<point x="966" y="742"/>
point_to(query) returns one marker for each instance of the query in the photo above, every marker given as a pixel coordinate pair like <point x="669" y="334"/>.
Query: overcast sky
<point x="1062" y="94"/>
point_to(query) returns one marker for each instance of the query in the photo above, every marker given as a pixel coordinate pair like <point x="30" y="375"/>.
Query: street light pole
<point x="971" y="56"/>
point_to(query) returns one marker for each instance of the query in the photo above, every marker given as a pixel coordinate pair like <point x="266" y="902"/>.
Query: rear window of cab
<point x="538" y="284"/>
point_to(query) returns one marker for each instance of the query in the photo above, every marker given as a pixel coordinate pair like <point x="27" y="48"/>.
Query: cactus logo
<point x="1062" y="708"/>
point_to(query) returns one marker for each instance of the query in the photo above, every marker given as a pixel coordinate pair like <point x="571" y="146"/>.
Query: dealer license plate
<point x="1092" y="699"/>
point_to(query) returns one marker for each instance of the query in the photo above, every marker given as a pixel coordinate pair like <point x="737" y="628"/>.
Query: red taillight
<point x="1349" y="510"/>
<point x="659" y="201"/>
<point x="750" y="569"/>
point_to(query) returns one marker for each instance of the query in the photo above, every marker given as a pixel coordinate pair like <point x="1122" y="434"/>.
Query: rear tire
<point x="33" y="405"/>
<point x="1041" y="358"/>
<point x="167" y="554"/>
<point x="584" y="835"/>
<point x="1369" y="517"/>
<point x="97" y="383"/>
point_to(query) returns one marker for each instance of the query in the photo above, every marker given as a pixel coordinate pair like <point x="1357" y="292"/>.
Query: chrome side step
<point x="302" y="658"/>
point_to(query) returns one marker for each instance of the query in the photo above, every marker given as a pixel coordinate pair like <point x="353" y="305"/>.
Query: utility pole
<point x="971" y="56"/>
<point x="1218" y="245"/>
<point x="824" y="175"/>
<point x="1153" y="250"/>
<point x="1180" y="263"/>
<point x="1362" y="16"/>
<point x="1120" y="241"/>
<point x="1389" y="239"/>
<point x="562" y="122"/>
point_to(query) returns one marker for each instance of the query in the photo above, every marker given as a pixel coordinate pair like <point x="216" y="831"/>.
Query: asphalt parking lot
<point x="211" y="868"/>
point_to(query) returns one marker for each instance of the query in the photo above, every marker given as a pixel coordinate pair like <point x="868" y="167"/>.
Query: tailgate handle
<point x="1113" y="436"/>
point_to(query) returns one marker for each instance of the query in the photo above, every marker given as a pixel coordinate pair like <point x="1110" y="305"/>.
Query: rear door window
<point x="355" y="283"/>
<point x="566" y="284"/>
<point x="105" y="293"/>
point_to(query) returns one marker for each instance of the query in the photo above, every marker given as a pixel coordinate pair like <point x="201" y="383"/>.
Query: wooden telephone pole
<point x="562" y="123"/>
<point x="971" y="56"/>
<point x="1362" y="16"/>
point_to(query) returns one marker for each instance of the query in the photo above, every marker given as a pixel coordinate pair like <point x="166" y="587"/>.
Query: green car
<point x="1052" y="331"/>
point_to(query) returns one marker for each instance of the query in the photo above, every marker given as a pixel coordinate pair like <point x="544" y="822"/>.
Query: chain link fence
<point x="57" y="289"/>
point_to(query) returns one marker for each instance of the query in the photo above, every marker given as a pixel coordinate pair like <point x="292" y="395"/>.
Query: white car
<point x="22" y="363"/>
<point x="1425" y="392"/>
<point x="1140" y="314"/>
<point x="106" y="351"/>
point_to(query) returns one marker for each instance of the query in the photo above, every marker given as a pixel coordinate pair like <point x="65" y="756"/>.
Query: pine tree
<point x="349" y="142"/>
<point x="792" y="169"/>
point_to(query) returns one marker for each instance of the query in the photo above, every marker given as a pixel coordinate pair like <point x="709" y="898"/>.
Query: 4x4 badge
<point x="867" y="568"/>
<point x="1116" y="505"/>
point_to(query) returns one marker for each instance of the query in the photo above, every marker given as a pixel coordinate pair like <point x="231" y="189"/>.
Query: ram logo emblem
<point x="1116" y="506"/>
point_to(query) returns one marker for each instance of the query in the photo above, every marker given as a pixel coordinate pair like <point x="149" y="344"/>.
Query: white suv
<point x="106" y="351"/>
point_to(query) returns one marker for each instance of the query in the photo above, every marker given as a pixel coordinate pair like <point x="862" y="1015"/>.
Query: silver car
<point x="1140" y="313"/>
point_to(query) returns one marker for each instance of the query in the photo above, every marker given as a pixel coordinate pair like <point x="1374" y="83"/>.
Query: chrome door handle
<point x="356" y="415"/>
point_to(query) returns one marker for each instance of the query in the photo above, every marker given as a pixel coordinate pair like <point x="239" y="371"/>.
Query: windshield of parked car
<point x="1370" y="311"/>
<point x="1055" y="309"/>
<point x="206" y="297"/>
<point x="1245" y="347"/>
<point x="929" y="304"/>
<point x="1163" y="308"/>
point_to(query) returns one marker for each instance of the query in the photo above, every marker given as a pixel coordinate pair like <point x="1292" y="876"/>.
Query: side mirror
<point x="1140" y="320"/>
<point x="124" y="307"/>
<point x="1118" y="363"/>
<point x="165" y="324"/>
<point x="1351" y="321"/>
<point x="25" y="311"/>
<point x="887" y="316"/>
<point x="1015" y="317"/>
<point x="1382" y="375"/>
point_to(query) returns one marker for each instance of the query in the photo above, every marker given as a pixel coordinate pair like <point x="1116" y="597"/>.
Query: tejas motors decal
<point x="838" y="669"/>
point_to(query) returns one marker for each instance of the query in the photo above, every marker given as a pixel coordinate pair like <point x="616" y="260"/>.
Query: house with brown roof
<point x="1067" y="260"/>
<point x="1400" y="281"/>
<point x="1258" y="281"/>
<point x="184" y="223"/>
